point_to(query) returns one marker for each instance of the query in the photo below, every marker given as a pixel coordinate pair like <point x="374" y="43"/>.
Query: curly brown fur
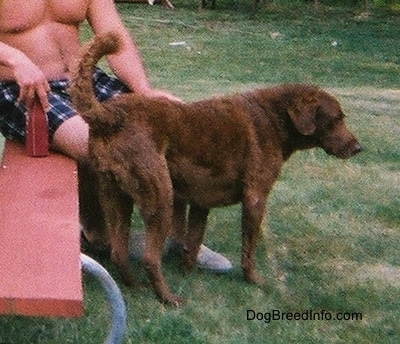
<point x="165" y="156"/>
<point x="81" y="91"/>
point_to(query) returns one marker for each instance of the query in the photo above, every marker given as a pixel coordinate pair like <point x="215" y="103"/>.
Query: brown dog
<point x="165" y="155"/>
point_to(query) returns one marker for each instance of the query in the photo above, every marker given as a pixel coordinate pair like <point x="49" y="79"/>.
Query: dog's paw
<point x="173" y="300"/>
<point x="254" y="279"/>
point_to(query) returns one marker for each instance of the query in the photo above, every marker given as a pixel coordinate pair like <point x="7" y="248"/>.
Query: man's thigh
<point x="71" y="138"/>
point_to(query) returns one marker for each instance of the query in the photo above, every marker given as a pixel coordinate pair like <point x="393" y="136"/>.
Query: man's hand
<point x="156" y="93"/>
<point x="32" y="83"/>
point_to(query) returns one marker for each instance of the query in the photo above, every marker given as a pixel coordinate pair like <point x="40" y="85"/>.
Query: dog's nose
<point x="356" y="149"/>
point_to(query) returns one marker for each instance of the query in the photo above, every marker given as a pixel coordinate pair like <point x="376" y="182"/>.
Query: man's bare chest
<point x="20" y="15"/>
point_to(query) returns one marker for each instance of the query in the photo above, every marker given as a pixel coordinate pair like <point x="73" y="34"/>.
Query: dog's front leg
<point x="195" y="235"/>
<point x="253" y="208"/>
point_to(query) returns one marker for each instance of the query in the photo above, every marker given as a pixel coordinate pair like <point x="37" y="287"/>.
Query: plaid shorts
<point x="13" y="114"/>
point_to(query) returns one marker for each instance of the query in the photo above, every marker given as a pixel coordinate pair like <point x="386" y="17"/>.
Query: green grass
<point x="331" y="240"/>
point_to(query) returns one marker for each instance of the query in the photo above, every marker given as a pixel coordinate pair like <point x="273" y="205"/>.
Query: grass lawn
<point x="331" y="240"/>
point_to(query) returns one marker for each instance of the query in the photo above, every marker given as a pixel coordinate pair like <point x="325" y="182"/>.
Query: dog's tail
<point x="81" y="89"/>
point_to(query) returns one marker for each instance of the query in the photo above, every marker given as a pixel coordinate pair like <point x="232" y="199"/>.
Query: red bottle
<point x="37" y="137"/>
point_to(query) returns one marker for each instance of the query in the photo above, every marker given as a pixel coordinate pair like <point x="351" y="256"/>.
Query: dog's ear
<point x="303" y="113"/>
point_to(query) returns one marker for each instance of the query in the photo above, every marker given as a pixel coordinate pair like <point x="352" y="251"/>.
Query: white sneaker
<point x="206" y="258"/>
<point x="212" y="261"/>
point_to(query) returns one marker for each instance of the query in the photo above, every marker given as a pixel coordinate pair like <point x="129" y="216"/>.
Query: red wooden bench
<point x="40" y="260"/>
<point x="39" y="235"/>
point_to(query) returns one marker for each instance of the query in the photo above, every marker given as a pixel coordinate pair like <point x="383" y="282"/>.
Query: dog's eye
<point x="337" y="119"/>
<point x="328" y="124"/>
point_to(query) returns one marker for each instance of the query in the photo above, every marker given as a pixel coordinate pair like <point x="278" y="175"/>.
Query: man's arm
<point x="26" y="74"/>
<point x="127" y="64"/>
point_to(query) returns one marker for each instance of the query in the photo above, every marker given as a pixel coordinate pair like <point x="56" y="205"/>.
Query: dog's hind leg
<point x="117" y="208"/>
<point x="154" y="197"/>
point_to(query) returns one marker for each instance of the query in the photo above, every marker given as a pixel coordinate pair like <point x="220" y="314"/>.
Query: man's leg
<point x="72" y="137"/>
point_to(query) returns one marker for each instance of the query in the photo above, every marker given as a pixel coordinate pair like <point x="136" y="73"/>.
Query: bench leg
<point x="114" y="297"/>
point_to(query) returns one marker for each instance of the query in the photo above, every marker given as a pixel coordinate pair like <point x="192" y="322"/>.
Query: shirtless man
<point x="39" y="41"/>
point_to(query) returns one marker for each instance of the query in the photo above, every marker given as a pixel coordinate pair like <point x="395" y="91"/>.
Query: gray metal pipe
<point x="114" y="297"/>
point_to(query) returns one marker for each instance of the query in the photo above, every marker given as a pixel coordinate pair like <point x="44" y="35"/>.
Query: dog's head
<point x="318" y="116"/>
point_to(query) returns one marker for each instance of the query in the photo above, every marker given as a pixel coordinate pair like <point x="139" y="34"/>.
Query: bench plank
<point x="40" y="271"/>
